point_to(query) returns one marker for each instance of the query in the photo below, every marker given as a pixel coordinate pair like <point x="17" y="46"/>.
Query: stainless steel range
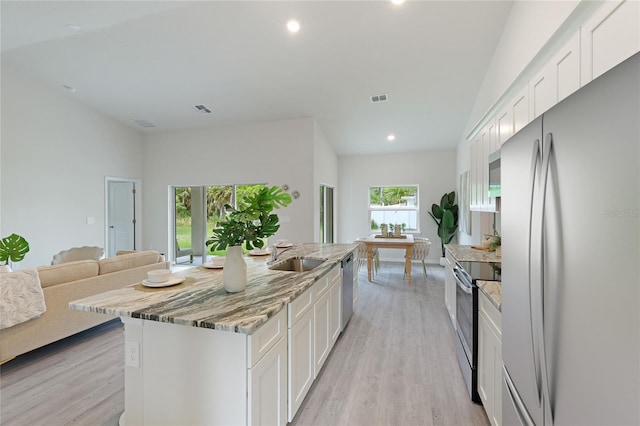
<point x="466" y="274"/>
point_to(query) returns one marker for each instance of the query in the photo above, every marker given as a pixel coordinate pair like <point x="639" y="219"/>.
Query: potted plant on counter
<point x="446" y="217"/>
<point x="247" y="224"/>
<point x="12" y="249"/>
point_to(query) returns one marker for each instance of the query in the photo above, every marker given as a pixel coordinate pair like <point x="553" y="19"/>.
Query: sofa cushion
<point x="128" y="261"/>
<point x="67" y="272"/>
<point x="78" y="253"/>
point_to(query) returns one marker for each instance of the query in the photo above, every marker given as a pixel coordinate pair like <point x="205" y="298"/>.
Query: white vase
<point x="235" y="270"/>
<point x="5" y="268"/>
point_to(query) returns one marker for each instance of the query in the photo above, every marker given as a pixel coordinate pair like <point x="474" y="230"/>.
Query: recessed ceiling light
<point x="293" y="26"/>
<point x="69" y="88"/>
<point x="391" y="138"/>
<point x="397" y="2"/>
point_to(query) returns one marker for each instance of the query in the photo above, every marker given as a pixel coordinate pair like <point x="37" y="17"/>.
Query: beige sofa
<point x="70" y="281"/>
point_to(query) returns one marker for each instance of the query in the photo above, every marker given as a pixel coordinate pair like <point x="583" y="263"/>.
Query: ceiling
<point x="154" y="61"/>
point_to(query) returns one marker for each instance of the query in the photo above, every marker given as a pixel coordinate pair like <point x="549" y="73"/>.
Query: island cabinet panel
<point x="266" y="337"/>
<point x="321" y="332"/>
<point x="227" y="376"/>
<point x="335" y="306"/>
<point x="268" y="387"/>
<point x="301" y="361"/>
<point x="300" y="306"/>
<point x="174" y="360"/>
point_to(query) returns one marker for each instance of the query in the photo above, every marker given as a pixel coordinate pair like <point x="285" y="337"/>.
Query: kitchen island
<point x="195" y="354"/>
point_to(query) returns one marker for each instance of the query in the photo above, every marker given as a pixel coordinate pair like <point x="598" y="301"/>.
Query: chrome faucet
<point x="275" y="254"/>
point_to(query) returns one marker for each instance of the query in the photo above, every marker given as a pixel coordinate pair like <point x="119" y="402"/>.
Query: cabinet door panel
<point x="335" y="303"/>
<point x="268" y="387"/>
<point x="301" y="361"/>
<point x="321" y="332"/>
<point x="609" y="37"/>
<point x="567" y="68"/>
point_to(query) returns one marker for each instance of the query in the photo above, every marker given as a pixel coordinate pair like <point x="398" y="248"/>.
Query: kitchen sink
<point x="298" y="264"/>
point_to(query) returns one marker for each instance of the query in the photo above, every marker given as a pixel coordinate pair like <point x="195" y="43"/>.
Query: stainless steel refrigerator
<point x="571" y="259"/>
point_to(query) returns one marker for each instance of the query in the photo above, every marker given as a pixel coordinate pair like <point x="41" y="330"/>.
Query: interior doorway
<point x="327" y="214"/>
<point x="122" y="230"/>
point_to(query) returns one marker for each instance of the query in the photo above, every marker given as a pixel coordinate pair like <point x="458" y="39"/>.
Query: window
<point x="395" y="205"/>
<point x="198" y="210"/>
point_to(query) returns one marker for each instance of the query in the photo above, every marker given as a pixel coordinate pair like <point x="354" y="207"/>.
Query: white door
<point x="121" y="218"/>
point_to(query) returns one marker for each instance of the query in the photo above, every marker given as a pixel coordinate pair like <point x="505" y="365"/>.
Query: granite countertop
<point x="202" y="301"/>
<point x="466" y="253"/>
<point x="493" y="290"/>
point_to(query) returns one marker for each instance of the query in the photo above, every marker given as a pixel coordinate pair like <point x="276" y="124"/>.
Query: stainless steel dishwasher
<point x="347" y="289"/>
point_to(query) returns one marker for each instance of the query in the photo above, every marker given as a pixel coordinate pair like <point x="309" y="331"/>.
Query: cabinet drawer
<point x="321" y="287"/>
<point x="300" y="306"/>
<point x="265" y="337"/>
<point x="334" y="274"/>
<point x="492" y="314"/>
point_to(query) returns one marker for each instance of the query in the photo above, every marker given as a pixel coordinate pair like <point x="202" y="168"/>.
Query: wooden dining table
<point x="377" y="241"/>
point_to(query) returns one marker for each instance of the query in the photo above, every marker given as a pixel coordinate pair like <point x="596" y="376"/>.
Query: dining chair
<point x="420" y="252"/>
<point x="362" y="256"/>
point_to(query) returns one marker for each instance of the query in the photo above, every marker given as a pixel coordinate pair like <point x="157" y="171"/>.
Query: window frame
<point x="415" y="208"/>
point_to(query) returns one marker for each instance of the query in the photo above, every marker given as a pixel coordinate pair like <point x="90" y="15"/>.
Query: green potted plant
<point x="247" y="224"/>
<point x="12" y="249"/>
<point x="446" y="217"/>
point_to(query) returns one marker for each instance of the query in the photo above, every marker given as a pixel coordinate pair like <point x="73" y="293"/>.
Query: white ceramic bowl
<point x="159" y="275"/>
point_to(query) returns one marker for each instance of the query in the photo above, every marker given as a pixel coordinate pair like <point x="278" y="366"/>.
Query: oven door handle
<point x="462" y="285"/>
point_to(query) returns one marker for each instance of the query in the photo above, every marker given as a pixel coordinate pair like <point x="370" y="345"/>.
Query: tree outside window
<point x="394" y="205"/>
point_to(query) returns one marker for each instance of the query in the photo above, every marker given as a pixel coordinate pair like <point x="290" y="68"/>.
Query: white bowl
<point x="159" y="275"/>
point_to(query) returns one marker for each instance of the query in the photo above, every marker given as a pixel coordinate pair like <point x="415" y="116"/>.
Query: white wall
<point x="55" y="156"/>
<point x="325" y="172"/>
<point x="274" y="153"/>
<point x="434" y="172"/>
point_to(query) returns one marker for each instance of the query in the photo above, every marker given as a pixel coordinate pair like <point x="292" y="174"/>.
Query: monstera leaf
<point x="13" y="248"/>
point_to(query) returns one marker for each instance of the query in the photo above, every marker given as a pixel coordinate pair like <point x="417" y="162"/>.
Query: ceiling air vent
<point x="202" y="109"/>
<point x="379" y="98"/>
<point x="144" y="123"/>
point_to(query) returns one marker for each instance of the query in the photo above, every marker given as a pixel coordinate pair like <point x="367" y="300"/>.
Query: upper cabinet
<point x="609" y="37"/>
<point x="559" y="78"/>
<point x="485" y="143"/>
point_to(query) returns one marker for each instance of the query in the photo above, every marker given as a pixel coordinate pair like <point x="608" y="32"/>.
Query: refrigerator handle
<point x="516" y="401"/>
<point x="534" y="331"/>
<point x="546" y="161"/>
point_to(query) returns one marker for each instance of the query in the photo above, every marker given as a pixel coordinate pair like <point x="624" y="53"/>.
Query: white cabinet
<point x="520" y="110"/>
<point x="474" y="175"/>
<point x="314" y="326"/>
<point x="504" y="125"/>
<point x="335" y="306"/>
<point x="300" y="350"/>
<point x="268" y="388"/>
<point x="321" y="332"/>
<point x="490" y="359"/>
<point x="559" y="78"/>
<point x="609" y="37"/>
<point x="485" y="143"/>
<point x="450" y="288"/>
<point x="229" y="378"/>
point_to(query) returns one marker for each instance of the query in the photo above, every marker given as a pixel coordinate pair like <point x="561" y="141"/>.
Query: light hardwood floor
<point x="395" y="364"/>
